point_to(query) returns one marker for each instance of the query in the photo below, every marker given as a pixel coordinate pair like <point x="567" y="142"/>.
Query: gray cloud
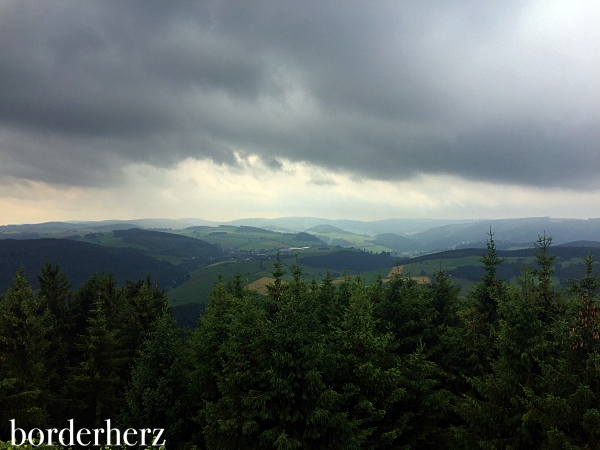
<point x="322" y="182"/>
<point x="383" y="90"/>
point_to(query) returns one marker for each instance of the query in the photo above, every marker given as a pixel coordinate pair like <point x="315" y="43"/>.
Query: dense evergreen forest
<point x="315" y="364"/>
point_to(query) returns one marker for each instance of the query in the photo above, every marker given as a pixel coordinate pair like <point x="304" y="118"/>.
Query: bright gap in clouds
<point x="205" y="190"/>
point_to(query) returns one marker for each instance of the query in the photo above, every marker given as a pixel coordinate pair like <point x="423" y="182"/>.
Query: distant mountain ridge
<point x="400" y="235"/>
<point x="587" y="244"/>
<point x="398" y="226"/>
<point x="324" y="229"/>
<point x="524" y="230"/>
<point x="106" y="225"/>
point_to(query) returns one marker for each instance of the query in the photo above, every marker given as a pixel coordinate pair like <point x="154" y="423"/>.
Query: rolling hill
<point x="128" y="254"/>
<point x="80" y="260"/>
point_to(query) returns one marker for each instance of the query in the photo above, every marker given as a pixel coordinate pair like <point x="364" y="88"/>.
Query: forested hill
<point x="350" y="260"/>
<point x="157" y="242"/>
<point x="80" y="260"/>
<point x="563" y="252"/>
<point x="361" y="261"/>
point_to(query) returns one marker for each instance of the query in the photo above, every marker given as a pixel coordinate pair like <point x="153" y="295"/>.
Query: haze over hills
<point x="106" y="224"/>
<point x="400" y="235"/>
<point x="523" y="231"/>
<point x="327" y="229"/>
<point x="399" y="226"/>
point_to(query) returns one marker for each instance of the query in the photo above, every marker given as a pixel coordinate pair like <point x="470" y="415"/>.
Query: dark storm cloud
<point x="383" y="90"/>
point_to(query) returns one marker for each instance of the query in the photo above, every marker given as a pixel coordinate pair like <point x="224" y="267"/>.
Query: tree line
<point x="314" y="365"/>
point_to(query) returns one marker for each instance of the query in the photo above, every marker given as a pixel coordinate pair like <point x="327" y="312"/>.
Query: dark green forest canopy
<point x="82" y="259"/>
<point x="360" y="261"/>
<point x="315" y="364"/>
<point x="249" y="229"/>
<point x="79" y="259"/>
<point x="350" y="260"/>
<point x="167" y="243"/>
<point x="306" y="237"/>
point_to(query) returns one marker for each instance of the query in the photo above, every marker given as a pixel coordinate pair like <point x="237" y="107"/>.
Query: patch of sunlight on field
<point x="260" y="285"/>
<point x="395" y="271"/>
<point x="420" y="280"/>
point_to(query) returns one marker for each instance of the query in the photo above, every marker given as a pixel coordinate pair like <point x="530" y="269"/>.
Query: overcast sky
<point x="362" y="110"/>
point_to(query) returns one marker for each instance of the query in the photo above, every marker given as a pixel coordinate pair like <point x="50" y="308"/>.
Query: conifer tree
<point x="55" y="290"/>
<point x="470" y="344"/>
<point x="363" y="371"/>
<point x="276" y="289"/>
<point x="235" y="286"/>
<point x="567" y="410"/>
<point x="140" y="305"/>
<point x="54" y="296"/>
<point x="405" y="312"/>
<point x="443" y="295"/>
<point x="157" y="393"/>
<point x="548" y="298"/>
<point x="23" y="352"/>
<point x="488" y="293"/>
<point x="506" y="411"/>
<point x="232" y="374"/>
<point x="96" y="386"/>
<point x="325" y="294"/>
<point x="408" y="311"/>
<point x="100" y="287"/>
<point x="206" y="359"/>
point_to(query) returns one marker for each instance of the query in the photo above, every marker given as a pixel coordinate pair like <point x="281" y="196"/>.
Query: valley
<point x="188" y="261"/>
